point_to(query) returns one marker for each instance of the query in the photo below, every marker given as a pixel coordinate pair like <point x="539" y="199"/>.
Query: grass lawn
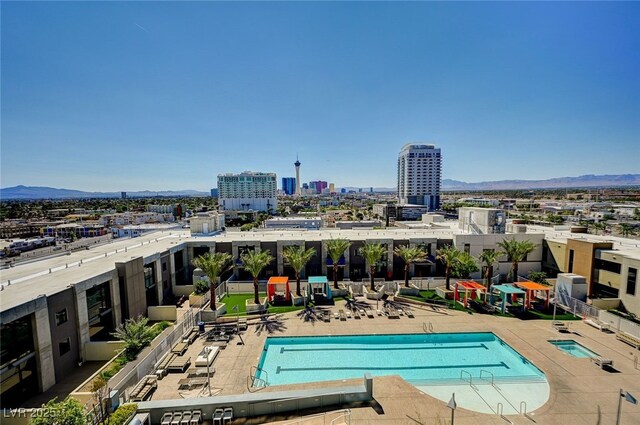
<point x="548" y="315"/>
<point x="240" y="300"/>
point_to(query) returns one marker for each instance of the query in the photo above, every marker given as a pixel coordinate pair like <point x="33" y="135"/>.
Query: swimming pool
<point x="573" y="348"/>
<point x="418" y="358"/>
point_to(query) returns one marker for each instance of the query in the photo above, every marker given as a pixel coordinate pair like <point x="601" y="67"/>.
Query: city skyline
<point x="140" y="96"/>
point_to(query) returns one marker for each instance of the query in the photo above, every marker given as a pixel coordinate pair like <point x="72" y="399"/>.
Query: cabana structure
<point x="319" y="286"/>
<point x="531" y="287"/>
<point x="506" y="291"/>
<point x="278" y="289"/>
<point x="470" y="289"/>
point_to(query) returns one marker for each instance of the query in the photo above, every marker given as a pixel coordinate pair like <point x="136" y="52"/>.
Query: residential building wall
<point x="419" y="175"/>
<point x="247" y="191"/>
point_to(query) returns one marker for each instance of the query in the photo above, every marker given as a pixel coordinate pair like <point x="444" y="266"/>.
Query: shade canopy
<point x="534" y="286"/>
<point x="508" y="289"/>
<point x="319" y="285"/>
<point x="278" y="288"/>
<point x="468" y="287"/>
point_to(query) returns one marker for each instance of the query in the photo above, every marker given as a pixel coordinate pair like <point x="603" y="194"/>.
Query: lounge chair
<point x="602" y="362"/>
<point x="409" y="314"/>
<point x="186" y="418"/>
<point x="166" y="418"/>
<point x="227" y="415"/>
<point x="342" y="314"/>
<point x="177" y="417"/>
<point x="336" y="315"/>
<point x="369" y="313"/>
<point x="348" y="314"/>
<point x="326" y="317"/>
<point x="627" y="338"/>
<point x="217" y="416"/>
<point x="179" y="364"/>
<point x="597" y="324"/>
<point x="196" y="417"/>
<point x="356" y="314"/>
<point x="180" y="348"/>
<point x="379" y="312"/>
<point x="560" y="326"/>
<point x="392" y="314"/>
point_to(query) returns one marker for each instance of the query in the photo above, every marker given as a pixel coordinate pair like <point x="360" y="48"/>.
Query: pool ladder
<point x="427" y="327"/>
<point x="254" y="383"/>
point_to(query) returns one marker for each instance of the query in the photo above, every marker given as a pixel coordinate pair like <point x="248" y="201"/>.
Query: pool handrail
<point x="468" y="373"/>
<point x="490" y="373"/>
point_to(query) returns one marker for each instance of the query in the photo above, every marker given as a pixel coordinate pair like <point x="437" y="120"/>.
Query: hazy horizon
<point x="166" y="96"/>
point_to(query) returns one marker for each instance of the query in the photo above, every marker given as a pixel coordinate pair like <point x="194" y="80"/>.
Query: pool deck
<point x="579" y="388"/>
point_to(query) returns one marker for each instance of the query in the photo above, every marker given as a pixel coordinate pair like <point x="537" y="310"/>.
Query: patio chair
<point x="227" y="416"/>
<point x="166" y="418"/>
<point x="186" y="418"/>
<point x="177" y="417"/>
<point x="560" y="326"/>
<point x="196" y="417"/>
<point x="217" y="416"/>
<point x="602" y="362"/>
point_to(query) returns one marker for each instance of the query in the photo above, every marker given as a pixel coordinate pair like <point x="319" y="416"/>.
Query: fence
<point x="620" y="323"/>
<point x="134" y="371"/>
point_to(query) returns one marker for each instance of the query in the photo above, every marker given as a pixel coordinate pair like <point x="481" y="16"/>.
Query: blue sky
<point x="132" y="96"/>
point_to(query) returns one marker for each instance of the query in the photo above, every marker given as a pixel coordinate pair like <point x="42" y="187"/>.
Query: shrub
<point x="66" y="412"/>
<point x="201" y="287"/>
<point x="122" y="413"/>
<point x="136" y="335"/>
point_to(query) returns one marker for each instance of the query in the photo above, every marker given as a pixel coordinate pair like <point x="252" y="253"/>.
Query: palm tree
<point x="625" y="229"/>
<point x="135" y="333"/>
<point x="465" y="265"/>
<point x="489" y="257"/>
<point x="254" y="262"/>
<point x="335" y="248"/>
<point x="372" y="252"/>
<point x="448" y="255"/>
<point x="298" y="257"/>
<point x="213" y="265"/>
<point x="409" y="255"/>
<point x="516" y="251"/>
<point x="599" y="227"/>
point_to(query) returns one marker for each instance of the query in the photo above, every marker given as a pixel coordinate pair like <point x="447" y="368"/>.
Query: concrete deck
<point x="579" y="389"/>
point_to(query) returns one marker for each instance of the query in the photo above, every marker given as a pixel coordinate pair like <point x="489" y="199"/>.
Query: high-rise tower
<point x="297" y="164"/>
<point x="419" y="178"/>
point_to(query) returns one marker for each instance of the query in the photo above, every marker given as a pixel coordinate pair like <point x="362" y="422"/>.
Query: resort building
<point x="247" y="191"/>
<point x="58" y="309"/>
<point x="419" y="175"/>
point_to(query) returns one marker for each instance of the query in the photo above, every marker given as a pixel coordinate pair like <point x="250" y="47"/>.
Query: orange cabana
<point x="469" y="287"/>
<point x="278" y="289"/>
<point x="530" y="287"/>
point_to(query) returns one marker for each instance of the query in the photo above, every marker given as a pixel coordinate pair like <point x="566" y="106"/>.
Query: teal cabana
<point x="319" y="287"/>
<point x="505" y="292"/>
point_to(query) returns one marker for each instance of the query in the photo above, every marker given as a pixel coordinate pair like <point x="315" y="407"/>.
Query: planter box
<point x="198" y="300"/>
<point x="256" y="308"/>
<point x="371" y="295"/>
<point x="411" y="290"/>
<point x="444" y="293"/>
<point x="208" y="315"/>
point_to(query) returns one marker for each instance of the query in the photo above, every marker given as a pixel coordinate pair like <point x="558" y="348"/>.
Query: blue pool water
<point x="418" y="358"/>
<point x="573" y="348"/>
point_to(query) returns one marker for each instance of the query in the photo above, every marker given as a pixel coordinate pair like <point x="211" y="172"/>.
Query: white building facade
<point x="247" y="191"/>
<point x="419" y="175"/>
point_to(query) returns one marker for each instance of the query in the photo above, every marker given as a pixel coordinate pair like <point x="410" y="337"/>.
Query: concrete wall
<point x="64" y="363"/>
<point x="135" y="298"/>
<point x="583" y="257"/>
<point x="102" y="350"/>
<point x="165" y="312"/>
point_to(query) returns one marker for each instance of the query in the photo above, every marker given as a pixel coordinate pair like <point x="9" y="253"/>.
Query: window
<point x="609" y="266"/>
<point x="65" y="346"/>
<point x="164" y="267"/>
<point x="632" y="276"/>
<point x="61" y="317"/>
<point x="571" y="253"/>
<point x="467" y="248"/>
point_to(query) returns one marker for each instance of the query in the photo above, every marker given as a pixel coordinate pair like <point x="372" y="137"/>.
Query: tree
<point x="298" y="257"/>
<point x="135" y="334"/>
<point x="213" y="265"/>
<point x="538" y="277"/>
<point x="409" y="255"/>
<point x="254" y="262"/>
<point x="464" y="265"/>
<point x="516" y="251"/>
<point x="372" y="252"/>
<point x="489" y="257"/>
<point x="66" y="412"/>
<point x="599" y="227"/>
<point x="335" y="249"/>
<point x="448" y="255"/>
<point x="626" y="229"/>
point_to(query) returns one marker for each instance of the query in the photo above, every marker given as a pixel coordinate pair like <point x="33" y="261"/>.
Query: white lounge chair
<point x="602" y="362"/>
<point x="166" y="418"/>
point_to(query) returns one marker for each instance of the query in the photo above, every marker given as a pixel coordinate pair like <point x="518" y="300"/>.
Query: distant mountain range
<point x="38" y="192"/>
<point x="590" y="180"/>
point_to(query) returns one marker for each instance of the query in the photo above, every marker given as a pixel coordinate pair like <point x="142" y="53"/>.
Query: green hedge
<point x="122" y="413"/>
